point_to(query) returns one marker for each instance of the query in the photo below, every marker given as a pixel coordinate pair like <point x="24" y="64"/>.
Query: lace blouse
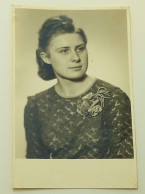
<point x="94" y="125"/>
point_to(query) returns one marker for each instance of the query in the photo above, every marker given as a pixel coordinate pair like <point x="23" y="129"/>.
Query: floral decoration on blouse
<point x="91" y="104"/>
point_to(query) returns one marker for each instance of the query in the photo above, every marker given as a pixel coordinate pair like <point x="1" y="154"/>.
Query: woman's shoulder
<point x="112" y="89"/>
<point x="41" y="96"/>
<point x="101" y="83"/>
<point x="111" y="94"/>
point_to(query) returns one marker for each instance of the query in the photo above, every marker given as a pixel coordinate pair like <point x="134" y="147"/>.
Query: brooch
<point x="91" y="104"/>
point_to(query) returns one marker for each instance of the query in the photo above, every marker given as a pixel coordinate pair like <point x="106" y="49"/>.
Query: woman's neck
<point x="70" y="88"/>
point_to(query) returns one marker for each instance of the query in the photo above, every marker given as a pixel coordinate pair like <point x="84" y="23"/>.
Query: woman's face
<point x="68" y="55"/>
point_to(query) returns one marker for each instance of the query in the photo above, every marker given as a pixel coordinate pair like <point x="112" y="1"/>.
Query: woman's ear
<point x="45" y="58"/>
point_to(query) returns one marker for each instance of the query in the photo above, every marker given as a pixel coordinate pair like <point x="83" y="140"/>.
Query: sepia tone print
<point x="73" y="104"/>
<point x="80" y="116"/>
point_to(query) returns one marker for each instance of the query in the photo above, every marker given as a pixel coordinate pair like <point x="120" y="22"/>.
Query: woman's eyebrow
<point x="64" y="47"/>
<point x="80" y="45"/>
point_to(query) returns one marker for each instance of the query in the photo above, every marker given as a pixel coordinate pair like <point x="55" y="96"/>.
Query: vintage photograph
<point x="72" y="89"/>
<point x="73" y="113"/>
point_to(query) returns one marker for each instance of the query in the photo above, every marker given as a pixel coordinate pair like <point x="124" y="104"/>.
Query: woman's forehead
<point x="66" y="40"/>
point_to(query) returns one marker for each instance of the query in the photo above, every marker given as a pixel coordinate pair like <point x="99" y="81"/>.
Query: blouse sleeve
<point x="35" y="148"/>
<point x="119" y="125"/>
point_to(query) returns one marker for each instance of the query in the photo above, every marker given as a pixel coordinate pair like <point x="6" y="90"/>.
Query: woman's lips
<point x="75" y="67"/>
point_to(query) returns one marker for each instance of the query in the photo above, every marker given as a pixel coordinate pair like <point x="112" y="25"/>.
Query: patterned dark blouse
<point x="96" y="124"/>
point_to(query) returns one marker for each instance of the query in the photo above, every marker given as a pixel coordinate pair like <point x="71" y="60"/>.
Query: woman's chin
<point x="73" y="76"/>
<point x="76" y="77"/>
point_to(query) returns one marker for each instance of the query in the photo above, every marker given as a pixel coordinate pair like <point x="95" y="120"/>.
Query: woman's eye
<point x="64" y="51"/>
<point x="80" y="49"/>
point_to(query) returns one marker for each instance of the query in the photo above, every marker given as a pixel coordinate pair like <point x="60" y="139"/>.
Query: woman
<point x="80" y="117"/>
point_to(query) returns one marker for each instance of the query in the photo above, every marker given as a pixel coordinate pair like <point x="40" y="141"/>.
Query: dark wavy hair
<point x="52" y="27"/>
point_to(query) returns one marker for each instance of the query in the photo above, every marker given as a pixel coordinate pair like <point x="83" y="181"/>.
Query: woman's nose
<point x="75" y="56"/>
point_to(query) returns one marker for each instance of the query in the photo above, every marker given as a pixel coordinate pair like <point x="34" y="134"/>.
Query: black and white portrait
<point x="72" y="87"/>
